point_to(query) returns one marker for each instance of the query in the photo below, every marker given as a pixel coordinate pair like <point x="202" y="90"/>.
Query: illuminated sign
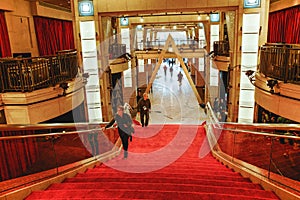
<point x="214" y="17"/>
<point x="124" y="21"/>
<point x="86" y="8"/>
<point x="251" y="3"/>
<point x="139" y="27"/>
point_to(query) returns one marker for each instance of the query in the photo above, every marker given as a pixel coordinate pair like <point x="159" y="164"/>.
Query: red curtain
<point x="5" y="50"/>
<point x="53" y="35"/>
<point x="284" y="26"/>
<point x="16" y="156"/>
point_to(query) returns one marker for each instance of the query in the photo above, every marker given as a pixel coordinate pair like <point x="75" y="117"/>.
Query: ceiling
<point x="59" y="3"/>
<point x="66" y="4"/>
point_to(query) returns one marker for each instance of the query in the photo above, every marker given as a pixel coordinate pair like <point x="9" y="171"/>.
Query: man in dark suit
<point x="144" y="107"/>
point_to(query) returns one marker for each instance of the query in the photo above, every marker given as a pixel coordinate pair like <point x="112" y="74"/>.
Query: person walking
<point x="171" y="71"/>
<point x="180" y="76"/>
<point x="125" y="128"/>
<point x="144" y="107"/>
<point x="165" y="69"/>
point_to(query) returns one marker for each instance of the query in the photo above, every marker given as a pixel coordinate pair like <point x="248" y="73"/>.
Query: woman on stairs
<point x="125" y="128"/>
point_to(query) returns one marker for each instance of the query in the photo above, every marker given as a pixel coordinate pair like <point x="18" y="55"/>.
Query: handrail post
<point x="270" y="163"/>
<point x="21" y="65"/>
<point x="2" y="66"/>
<point x="285" y="62"/>
<point x="233" y="146"/>
<point x="55" y="156"/>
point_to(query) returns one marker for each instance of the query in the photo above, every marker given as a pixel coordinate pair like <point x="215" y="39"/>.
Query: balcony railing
<point x="221" y="48"/>
<point x="181" y="44"/>
<point x="117" y="50"/>
<point x="281" y="62"/>
<point x="28" y="74"/>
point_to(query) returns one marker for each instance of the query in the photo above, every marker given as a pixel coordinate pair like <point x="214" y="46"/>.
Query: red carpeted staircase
<point x="165" y="162"/>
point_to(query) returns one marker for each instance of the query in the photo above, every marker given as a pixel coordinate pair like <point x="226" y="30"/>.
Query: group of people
<point x="171" y="70"/>
<point x="267" y="117"/>
<point x="179" y="75"/>
<point x="220" y="109"/>
<point x="125" y="123"/>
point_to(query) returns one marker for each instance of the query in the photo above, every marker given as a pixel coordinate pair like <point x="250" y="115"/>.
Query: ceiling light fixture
<point x="199" y="17"/>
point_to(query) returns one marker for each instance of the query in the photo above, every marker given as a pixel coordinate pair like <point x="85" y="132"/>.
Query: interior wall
<point x="283" y="4"/>
<point x="20" y="23"/>
<point x="7" y="5"/>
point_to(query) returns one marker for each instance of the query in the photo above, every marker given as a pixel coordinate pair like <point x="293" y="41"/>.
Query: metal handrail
<point x="11" y="127"/>
<point x="261" y="133"/>
<point x="46" y="134"/>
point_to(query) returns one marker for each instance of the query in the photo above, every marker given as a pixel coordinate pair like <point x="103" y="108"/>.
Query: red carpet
<point x="164" y="162"/>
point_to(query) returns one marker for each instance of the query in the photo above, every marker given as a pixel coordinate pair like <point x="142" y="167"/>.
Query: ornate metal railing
<point x="281" y="61"/>
<point x="28" y="74"/>
<point x="117" y="50"/>
<point x="181" y="44"/>
<point x="221" y="48"/>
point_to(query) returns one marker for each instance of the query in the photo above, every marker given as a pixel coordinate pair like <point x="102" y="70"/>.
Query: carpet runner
<point x="165" y="162"/>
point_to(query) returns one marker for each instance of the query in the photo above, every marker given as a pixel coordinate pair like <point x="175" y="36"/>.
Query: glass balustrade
<point x="269" y="150"/>
<point x="35" y="152"/>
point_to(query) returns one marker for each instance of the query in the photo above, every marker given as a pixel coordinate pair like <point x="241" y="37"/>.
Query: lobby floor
<point x="173" y="103"/>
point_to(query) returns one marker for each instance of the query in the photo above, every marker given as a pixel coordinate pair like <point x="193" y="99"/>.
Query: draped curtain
<point x="5" y="50"/>
<point x="16" y="156"/>
<point x="53" y="35"/>
<point x="284" y="26"/>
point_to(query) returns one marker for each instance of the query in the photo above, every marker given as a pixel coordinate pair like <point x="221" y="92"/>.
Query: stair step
<point x="123" y="193"/>
<point x="188" y="177"/>
<point x="182" y="185"/>
<point x="159" y="176"/>
<point x="195" y="166"/>
<point x="154" y="179"/>
<point x="169" y="172"/>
